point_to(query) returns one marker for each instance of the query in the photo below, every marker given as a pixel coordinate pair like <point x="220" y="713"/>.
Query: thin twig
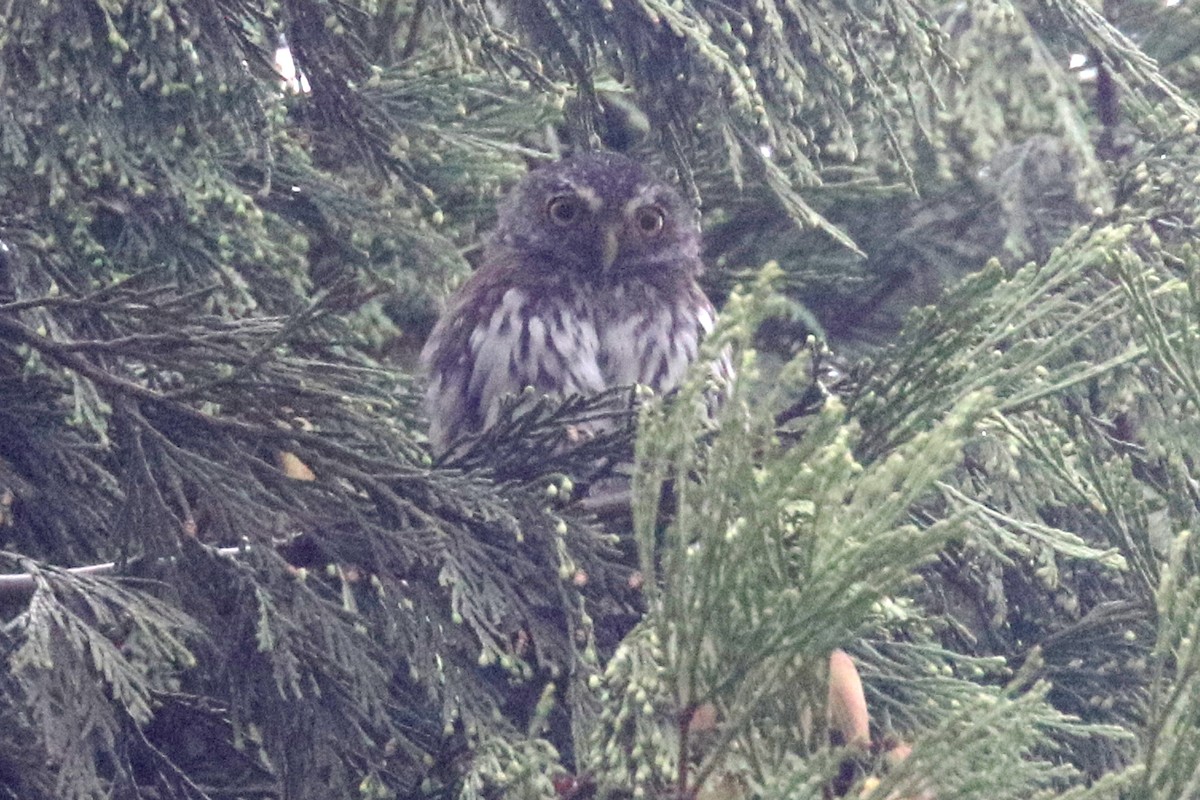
<point x="19" y="583"/>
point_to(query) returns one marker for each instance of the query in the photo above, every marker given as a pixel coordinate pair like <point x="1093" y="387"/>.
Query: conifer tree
<point x="955" y="249"/>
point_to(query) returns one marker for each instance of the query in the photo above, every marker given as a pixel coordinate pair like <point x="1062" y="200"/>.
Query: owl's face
<point x="600" y="216"/>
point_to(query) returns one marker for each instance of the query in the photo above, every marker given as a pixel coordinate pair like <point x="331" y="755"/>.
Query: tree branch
<point x="19" y="583"/>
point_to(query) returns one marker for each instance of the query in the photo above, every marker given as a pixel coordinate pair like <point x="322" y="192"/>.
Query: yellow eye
<point x="564" y="209"/>
<point x="650" y="220"/>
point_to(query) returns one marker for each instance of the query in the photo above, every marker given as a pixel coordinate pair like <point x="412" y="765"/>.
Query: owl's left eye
<point x="650" y="220"/>
<point x="564" y="209"/>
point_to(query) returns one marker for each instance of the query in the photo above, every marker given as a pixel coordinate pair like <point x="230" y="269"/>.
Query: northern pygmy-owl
<point x="588" y="283"/>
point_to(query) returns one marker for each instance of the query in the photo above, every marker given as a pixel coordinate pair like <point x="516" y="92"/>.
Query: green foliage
<point x="85" y="664"/>
<point x="213" y="288"/>
<point x="782" y="550"/>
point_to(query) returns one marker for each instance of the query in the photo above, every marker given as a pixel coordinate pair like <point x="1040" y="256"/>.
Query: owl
<point x="587" y="283"/>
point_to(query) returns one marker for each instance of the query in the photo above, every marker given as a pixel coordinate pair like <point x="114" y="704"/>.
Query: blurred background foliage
<point x="962" y="443"/>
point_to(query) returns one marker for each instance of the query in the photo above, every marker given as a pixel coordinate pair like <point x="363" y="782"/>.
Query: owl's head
<point x="601" y="215"/>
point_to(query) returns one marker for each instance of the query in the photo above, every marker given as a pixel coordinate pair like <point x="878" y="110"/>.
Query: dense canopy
<point x="954" y="248"/>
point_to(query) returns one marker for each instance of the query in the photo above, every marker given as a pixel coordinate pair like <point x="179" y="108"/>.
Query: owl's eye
<point x="650" y="220"/>
<point x="564" y="209"/>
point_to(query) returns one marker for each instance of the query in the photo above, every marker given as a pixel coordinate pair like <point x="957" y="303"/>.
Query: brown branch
<point x="414" y="30"/>
<point x="685" y="728"/>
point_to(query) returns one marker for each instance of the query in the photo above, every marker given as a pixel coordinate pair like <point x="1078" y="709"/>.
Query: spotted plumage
<point x="588" y="283"/>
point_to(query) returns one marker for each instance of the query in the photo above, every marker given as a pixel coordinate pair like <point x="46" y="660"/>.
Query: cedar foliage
<point x="205" y="276"/>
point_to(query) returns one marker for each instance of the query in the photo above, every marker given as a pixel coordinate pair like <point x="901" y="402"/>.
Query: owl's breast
<point x="649" y="338"/>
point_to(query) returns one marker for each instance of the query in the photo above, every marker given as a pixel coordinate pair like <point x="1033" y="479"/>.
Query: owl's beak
<point x="611" y="245"/>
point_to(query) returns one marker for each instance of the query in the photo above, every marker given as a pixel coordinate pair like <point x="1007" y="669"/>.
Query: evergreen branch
<point x="1059" y="540"/>
<point x="1126" y="56"/>
<point x="67" y="356"/>
<point x="1171" y="764"/>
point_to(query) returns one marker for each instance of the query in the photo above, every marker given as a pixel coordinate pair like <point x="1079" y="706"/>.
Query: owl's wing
<point x="498" y="340"/>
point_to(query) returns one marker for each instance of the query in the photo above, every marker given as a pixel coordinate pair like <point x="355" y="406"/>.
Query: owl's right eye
<point x="564" y="209"/>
